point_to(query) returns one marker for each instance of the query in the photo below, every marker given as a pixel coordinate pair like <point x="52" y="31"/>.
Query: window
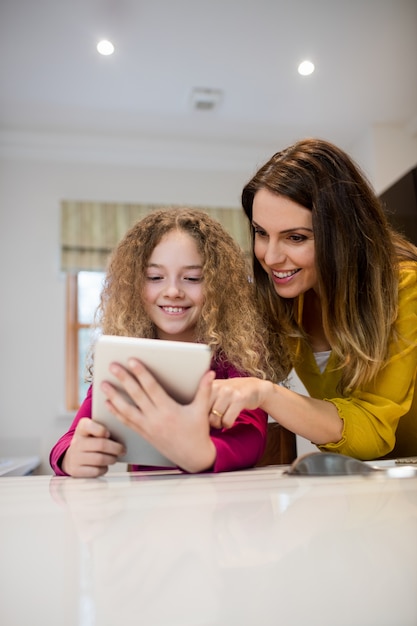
<point x="83" y="294"/>
<point x="89" y="232"/>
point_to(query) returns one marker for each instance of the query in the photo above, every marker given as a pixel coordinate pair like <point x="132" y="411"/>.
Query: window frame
<point x="73" y="326"/>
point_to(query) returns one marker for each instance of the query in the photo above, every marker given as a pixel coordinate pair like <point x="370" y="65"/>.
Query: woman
<point x="177" y="275"/>
<point x="338" y="287"/>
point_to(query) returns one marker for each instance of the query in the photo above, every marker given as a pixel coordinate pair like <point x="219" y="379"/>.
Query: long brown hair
<point x="357" y="256"/>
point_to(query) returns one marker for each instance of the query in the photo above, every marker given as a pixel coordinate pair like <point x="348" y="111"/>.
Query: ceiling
<point x="53" y="81"/>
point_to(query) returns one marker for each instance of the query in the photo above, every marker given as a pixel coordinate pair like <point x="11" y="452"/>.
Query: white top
<point x="322" y="359"/>
<point x="238" y="548"/>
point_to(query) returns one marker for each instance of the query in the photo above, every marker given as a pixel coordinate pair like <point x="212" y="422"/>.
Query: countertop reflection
<point x="248" y="547"/>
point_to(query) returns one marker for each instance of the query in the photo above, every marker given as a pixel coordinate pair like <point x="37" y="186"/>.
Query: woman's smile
<point x="283" y="277"/>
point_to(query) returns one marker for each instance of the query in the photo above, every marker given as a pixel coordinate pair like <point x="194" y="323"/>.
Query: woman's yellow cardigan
<point x="380" y="418"/>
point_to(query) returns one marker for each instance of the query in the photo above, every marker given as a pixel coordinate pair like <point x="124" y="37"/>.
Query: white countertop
<point x="240" y="548"/>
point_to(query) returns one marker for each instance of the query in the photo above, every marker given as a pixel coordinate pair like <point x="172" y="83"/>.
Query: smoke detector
<point x="205" y="99"/>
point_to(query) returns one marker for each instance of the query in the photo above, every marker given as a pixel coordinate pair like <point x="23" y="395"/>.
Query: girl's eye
<point x="154" y="278"/>
<point x="193" y="279"/>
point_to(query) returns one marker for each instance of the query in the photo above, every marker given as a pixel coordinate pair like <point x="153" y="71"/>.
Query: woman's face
<point x="173" y="291"/>
<point x="284" y="243"/>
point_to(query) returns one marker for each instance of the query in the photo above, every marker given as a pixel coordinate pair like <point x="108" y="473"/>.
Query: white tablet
<point x="177" y="365"/>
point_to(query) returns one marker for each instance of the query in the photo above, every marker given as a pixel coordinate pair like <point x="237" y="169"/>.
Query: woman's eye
<point x="259" y="231"/>
<point x="297" y="238"/>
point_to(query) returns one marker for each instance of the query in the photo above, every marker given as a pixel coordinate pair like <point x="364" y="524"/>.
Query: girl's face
<point x="174" y="287"/>
<point x="284" y="243"/>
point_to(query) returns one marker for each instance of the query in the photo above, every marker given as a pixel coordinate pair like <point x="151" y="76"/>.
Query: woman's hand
<point x="179" y="432"/>
<point x="231" y="395"/>
<point x="315" y="420"/>
<point x="91" y="450"/>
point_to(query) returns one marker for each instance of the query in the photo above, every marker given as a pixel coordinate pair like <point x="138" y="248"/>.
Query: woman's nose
<point x="274" y="254"/>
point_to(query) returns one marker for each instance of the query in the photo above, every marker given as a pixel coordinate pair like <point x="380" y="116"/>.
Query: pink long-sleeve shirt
<point x="238" y="447"/>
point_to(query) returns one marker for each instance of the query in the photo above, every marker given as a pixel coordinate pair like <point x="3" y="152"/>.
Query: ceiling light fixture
<point x="306" y="68"/>
<point x="105" y="47"/>
<point x="205" y="98"/>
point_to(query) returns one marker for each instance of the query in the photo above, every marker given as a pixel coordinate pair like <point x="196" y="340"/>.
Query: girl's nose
<point x="173" y="291"/>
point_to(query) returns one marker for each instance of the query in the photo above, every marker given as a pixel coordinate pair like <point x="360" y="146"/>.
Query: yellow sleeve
<point x="371" y="414"/>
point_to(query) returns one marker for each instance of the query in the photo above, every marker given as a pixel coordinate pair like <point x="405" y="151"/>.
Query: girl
<point x="177" y="275"/>
<point x="338" y="287"/>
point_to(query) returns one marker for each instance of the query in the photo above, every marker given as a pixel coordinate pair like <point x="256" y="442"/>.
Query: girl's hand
<point x="231" y="395"/>
<point x="91" y="450"/>
<point x="179" y="432"/>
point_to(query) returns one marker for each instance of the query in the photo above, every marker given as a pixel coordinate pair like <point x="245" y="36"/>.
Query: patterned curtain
<point x="90" y="230"/>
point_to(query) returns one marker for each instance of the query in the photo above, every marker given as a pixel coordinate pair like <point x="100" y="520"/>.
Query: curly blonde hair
<point x="230" y="322"/>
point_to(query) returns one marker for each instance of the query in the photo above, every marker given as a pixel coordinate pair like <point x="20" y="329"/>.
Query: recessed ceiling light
<point x="105" y="47"/>
<point x="306" y="68"/>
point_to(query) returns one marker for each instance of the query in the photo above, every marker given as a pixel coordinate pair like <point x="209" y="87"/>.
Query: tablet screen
<point x="178" y="366"/>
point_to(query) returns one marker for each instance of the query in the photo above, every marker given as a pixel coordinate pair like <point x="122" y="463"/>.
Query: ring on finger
<point x="217" y="413"/>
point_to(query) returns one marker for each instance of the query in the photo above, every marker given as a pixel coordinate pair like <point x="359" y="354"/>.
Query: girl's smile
<point x="173" y="310"/>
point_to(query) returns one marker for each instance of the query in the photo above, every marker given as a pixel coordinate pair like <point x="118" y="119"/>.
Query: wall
<point x="386" y="152"/>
